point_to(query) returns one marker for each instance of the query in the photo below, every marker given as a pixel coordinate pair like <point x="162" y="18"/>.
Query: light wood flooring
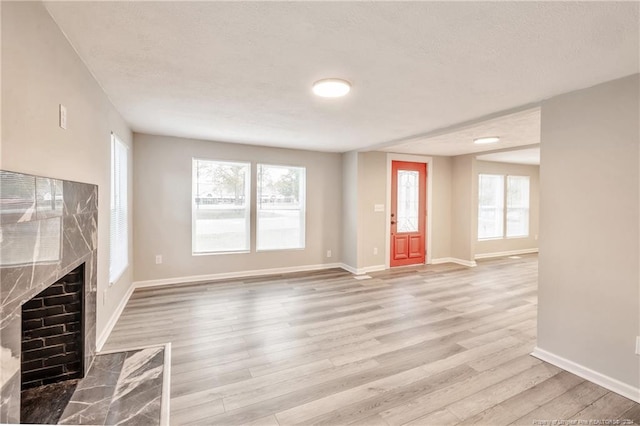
<point x="433" y="345"/>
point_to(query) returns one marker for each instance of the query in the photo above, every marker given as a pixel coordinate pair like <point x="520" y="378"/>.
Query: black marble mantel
<point x="47" y="228"/>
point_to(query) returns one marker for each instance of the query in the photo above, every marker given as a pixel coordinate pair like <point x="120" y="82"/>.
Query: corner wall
<point x="41" y="70"/>
<point x="350" y="210"/>
<point x="441" y="199"/>
<point x="589" y="279"/>
<point x="463" y="208"/>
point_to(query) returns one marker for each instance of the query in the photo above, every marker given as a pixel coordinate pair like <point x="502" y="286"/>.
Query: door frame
<point x="413" y="159"/>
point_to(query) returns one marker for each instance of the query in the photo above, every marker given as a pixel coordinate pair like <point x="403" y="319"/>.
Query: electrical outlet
<point x="158" y="259"/>
<point x="328" y="253"/>
<point x="638" y="345"/>
<point x="375" y="250"/>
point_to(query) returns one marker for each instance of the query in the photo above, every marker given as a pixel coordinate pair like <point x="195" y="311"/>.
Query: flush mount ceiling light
<point x="331" y="87"/>
<point x="488" y="139"/>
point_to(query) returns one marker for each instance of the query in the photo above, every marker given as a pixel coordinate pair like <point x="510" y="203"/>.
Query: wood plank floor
<point x="437" y="345"/>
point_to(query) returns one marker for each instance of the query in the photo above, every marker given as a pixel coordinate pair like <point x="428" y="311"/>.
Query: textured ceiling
<point x="515" y="129"/>
<point x="522" y="156"/>
<point x="242" y="71"/>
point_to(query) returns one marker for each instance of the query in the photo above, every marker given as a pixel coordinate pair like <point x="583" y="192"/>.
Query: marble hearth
<point x="48" y="227"/>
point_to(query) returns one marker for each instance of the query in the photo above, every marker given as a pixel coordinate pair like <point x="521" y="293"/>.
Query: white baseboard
<point x="506" y="253"/>
<point x="101" y="340"/>
<point x="374" y="268"/>
<point x="349" y="268"/>
<point x="469" y="263"/>
<point x="239" y="274"/>
<point x="586" y="373"/>
<point x="362" y="271"/>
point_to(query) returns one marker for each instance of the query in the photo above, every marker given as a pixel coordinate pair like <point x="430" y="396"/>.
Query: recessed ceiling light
<point x="331" y="88"/>
<point x="489" y="139"/>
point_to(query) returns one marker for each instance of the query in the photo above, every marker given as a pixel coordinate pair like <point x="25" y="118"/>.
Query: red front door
<point x="408" y="213"/>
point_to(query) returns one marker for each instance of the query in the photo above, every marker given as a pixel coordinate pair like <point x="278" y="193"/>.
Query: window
<point x="494" y="193"/>
<point x="220" y="206"/>
<point x="119" y="232"/>
<point x="490" y="206"/>
<point x="517" y="206"/>
<point x="281" y="207"/>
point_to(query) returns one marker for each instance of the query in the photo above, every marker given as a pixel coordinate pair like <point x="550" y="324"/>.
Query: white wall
<point x="503" y="245"/>
<point x="589" y="280"/>
<point x="40" y="70"/>
<point x="162" y="208"/>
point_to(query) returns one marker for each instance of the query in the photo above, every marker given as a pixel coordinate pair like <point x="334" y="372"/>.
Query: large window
<point x="517" y="206"/>
<point x="490" y="206"/>
<point x="220" y="206"/>
<point x="281" y="207"/>
<point x="494" y="193"/>
<point x="119" y="231"/>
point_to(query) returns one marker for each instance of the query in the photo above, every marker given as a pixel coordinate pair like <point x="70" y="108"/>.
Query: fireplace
<point x="52" y="333"/>
<point x="48" y="265"/>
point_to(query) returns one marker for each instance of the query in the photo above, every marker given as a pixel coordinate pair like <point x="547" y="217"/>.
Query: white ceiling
<point x="242" y="71"/>
<point x="521" y="156"/>
<point x="515" y="129"/>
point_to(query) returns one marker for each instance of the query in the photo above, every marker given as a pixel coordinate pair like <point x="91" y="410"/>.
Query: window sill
<point x="524" y="237"/>
<point x="217" y="253"/>
<point x="280" y="249"/>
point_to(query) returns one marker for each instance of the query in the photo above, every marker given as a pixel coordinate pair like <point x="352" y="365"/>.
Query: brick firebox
<point x="52" y="333"/>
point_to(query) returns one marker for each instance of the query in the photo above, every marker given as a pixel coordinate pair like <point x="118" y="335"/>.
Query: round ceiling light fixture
<point x="331" y="87"/>
<point x="488" y="139"/>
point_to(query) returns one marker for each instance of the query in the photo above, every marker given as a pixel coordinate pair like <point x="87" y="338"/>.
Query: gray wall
<point x="441" y="174"/>
<point x="372" y="187"/>
<point x="350" y="209"/>
<point x="589" y="299"/>
<point x="511" y="244"/>
<point x="162" y="208"/>
<point x="40" y="70"/>
<point x="463" y="207"/>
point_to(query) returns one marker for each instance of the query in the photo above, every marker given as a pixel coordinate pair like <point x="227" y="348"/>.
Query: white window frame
<point x="119" y="213"/>
<point x="505" y="208"/>
<point x="302" y="207"/>
<point x="248" y="203"/>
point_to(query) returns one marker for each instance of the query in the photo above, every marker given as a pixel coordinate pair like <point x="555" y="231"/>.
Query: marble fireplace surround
<point x="48" y="227"/>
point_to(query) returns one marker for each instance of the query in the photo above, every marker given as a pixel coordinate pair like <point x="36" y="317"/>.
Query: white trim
<point x="349" y="268"/>
<point x="468" y="263"/>
<point x="415" y="159"/>
<point x="239" y="274"/>
<point x="362" y="271"/>
<point x="101" y="340"/>
<point x="506" y="253"/>
<point x="586" y="373"/>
